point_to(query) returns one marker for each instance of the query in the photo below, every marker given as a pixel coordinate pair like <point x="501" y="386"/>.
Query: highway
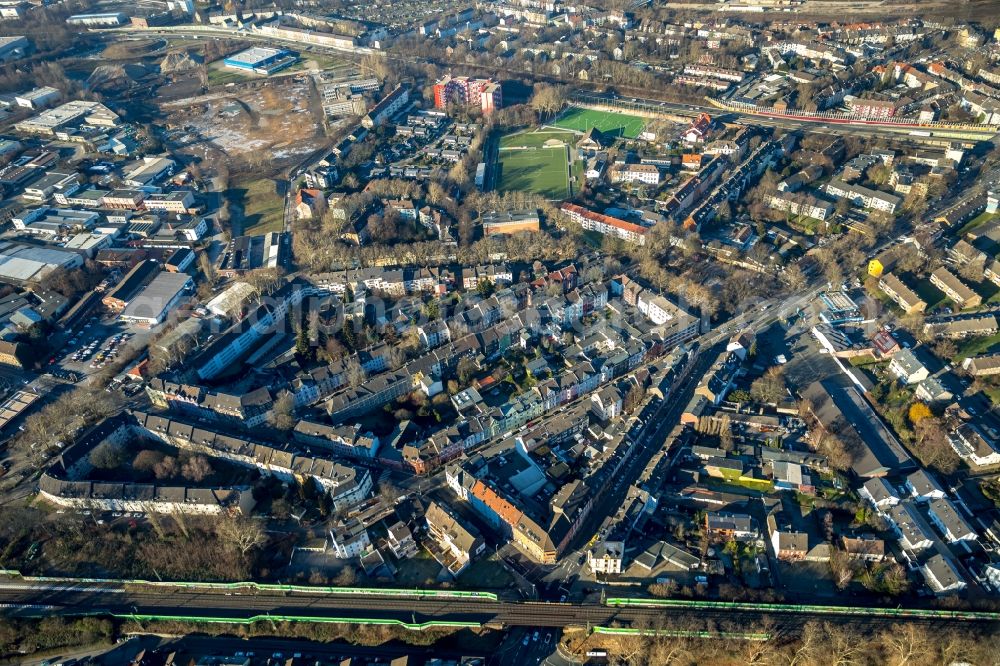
<point x="26" y="598"/>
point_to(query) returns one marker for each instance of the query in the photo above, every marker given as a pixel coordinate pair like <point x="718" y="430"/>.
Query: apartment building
<point x="486" y="94"/>
<point x="801" y="204"/>
<point x="456" y="543"/>
<point x="902" y="295"/>
<point x="387" y="107"/>
<point x="863" y="196"/>
<point x="647" y="174"/>
<point x="961" y="294"/>
<point x="605" y="224"/>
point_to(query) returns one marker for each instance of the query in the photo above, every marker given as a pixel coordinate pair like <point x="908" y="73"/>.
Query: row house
<point x="249" y="409"/>
<point x="145" y="498"/>
<point x="901" y="294"/>
<point x="347" y="440"/>
<point x="499" y="274"/>
<point x="270" y="459"/>
<point x="960" y="293"/>
<point x="958" y="328"/>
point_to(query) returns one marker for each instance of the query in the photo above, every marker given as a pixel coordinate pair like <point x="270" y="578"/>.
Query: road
<point x="27" y="598"/>
<point x="555" y="581"/>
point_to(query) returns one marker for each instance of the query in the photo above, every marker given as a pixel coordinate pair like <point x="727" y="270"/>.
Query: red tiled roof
<point x="605" y="219"/>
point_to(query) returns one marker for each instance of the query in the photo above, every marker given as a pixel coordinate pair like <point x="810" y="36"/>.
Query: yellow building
<point x="882" y="264"/>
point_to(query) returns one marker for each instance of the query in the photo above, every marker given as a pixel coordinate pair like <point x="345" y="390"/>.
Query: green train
<point x="807" y="609"/>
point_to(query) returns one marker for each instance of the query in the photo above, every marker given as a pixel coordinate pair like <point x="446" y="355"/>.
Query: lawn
<point x="315" y="61"/>
<point x="542" y="171"/>
<point x="931" y="295"/>
<point x="976" y="346"/>
<point x="977" y="221"/>
<point x="536" y="138"/>
<point x="263" y="207"/>
<point x="612" y="124"/>
<point x="486" y="574"/>
<point x="219" y="74"/>
<point x="421" y="570"/>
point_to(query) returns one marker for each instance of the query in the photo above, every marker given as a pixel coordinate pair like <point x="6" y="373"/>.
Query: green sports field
<point x="542" y="171"/>
<point x="612" y="124"/>
<point x="536" y="138"/>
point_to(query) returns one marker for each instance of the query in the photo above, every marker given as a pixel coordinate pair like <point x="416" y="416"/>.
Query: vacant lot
<point x="263" y="208"/>
<point x="612" y="124"/>
<point x="264" y="125"/>
<point x="542" y="171"/>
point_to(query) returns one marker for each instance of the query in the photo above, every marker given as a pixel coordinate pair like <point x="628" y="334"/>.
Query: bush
<point x="147" y="460"/>
<point x="197" y="469"/>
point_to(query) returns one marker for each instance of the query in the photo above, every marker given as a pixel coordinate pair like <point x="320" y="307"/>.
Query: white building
<point x="635" y="173"/>
<point x="923" y="487"/>
<point x="913" y="533"/>
<point x="863" y="196"/>
<point x="347" y="485"/>
<point x="952" y="524"/>
<point x="606" y="557"/>
<point x="349" y="541"/>
<point x="942" y="576"/>
<point x="38" y="98"/>
<point x="974" y="447"/>
<point x="879" y="493"/>
<point x="605" y="224"/>
<point x="907" y="367"/>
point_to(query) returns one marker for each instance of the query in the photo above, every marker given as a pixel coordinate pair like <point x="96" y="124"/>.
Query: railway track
<point x="412" y="610"/>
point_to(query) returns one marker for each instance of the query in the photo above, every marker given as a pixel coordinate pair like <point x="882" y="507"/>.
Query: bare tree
<point x="283" y="412"/>
<point x="769" y="387"/>
<point x="726" y="433"/>
<point x="842" y="568"/>
<point x="353" y="372"/>
<point x="347" y="577"/>
<point x="907" y="645"/>
<point x="241" y="533"/>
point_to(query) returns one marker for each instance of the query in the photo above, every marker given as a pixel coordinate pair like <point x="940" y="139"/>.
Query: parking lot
<point x="106" y="517"/>
<point x="95" y="345"/>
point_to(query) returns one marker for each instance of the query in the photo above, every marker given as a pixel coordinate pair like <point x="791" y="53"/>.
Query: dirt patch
<point x="269" y="125"/>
